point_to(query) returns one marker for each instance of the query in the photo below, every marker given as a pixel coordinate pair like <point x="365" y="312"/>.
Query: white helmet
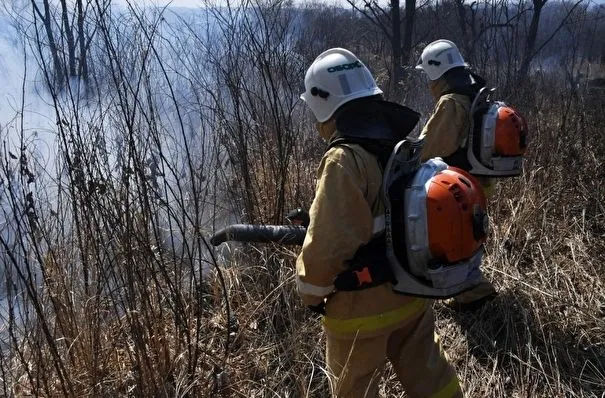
<point x="438" y="57"/>
<point x="336" y="76"/>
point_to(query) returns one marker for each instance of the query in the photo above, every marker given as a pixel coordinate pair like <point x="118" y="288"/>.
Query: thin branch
<point x="37" y="9"/>
<point x="370" y="18"/>
<point x="563" y="22"/>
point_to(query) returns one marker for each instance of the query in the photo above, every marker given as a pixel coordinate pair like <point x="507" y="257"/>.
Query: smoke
<point x="27" y="122"/>
<point x="25" y="111"/>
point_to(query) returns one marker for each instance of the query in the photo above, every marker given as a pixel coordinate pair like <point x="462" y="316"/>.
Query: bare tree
<point x="467" y="16"/>
<point x="83" y="41"/>
<point x="389" y="22"/>
<point x="532" y="36"/>
<point x="47" y="20"/>
<point x="408" y="33"/>
<point x="530" y="50"/>
<point x="68" y="40"/>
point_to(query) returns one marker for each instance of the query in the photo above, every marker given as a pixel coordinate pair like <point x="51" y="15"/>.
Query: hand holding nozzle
<point x="298" y="217"/>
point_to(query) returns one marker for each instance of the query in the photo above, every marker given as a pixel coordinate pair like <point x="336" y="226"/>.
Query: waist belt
<point x="368" y="268"/>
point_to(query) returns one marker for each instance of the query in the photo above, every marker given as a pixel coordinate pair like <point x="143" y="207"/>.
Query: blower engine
<point x="436" y="224"/>
<point x="497" y="138"/>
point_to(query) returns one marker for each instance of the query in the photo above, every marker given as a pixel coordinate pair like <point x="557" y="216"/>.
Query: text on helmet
<point x="342" y="67"/>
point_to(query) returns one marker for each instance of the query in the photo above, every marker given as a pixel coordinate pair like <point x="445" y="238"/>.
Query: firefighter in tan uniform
<point x="364" y="327"/>
<point x="452" y="85"/>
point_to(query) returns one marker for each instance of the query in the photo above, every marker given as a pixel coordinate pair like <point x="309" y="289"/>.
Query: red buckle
<point x="363" y="276"/>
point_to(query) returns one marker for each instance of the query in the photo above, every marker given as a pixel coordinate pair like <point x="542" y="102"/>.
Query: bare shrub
<point x="110" y="287"/>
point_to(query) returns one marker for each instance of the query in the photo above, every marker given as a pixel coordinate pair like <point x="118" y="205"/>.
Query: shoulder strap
<point x="381" y="150"/>
<point x="472" y="90"/>
<point x="369" y="266"/>
<point x="467" y="91"/>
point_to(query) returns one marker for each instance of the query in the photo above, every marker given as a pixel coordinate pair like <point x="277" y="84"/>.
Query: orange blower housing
<point x="456" y="216"/>
<point x="510" y="133"/>
<point x="497" y="139"/>
<point x="441" y="226"/>
<point x="446" y="223"/>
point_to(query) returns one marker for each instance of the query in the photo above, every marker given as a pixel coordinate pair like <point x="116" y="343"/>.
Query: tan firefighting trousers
<point x="356" y="364"/>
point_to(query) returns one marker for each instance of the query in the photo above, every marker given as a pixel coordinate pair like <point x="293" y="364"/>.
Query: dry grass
<point x="543" y="336"/>
<point x="147" y="326"/>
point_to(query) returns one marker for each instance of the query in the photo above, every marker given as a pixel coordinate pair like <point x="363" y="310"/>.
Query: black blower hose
<point x="283" y="234"/>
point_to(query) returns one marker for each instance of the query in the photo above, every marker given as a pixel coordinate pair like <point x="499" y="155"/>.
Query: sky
<point x="196" y="3"/>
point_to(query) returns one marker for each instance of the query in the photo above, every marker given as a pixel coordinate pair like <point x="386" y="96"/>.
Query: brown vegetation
<point x="112" y="289"/>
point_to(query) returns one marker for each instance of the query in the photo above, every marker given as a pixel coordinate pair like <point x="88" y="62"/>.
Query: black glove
<point x="319" y="308"/>
<point x="299" y="217"/>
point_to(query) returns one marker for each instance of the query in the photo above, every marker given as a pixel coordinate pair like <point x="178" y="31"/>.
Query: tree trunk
<point x="410" y="16"/>
<point x="47" y="20"/>
<point x="460" y="8"/>
<point x="532" y="36"/>
<point x="396" y="40"/>
<point x="69" y="38"/>
<point x="83" y="72"/>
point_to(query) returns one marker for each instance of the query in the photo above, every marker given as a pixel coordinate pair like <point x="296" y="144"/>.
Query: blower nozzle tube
<point x="283" y="234"/>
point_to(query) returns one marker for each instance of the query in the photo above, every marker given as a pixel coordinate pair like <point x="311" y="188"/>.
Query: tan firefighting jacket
<point x="448" y="126"/>
<point x="346" y="213"/>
